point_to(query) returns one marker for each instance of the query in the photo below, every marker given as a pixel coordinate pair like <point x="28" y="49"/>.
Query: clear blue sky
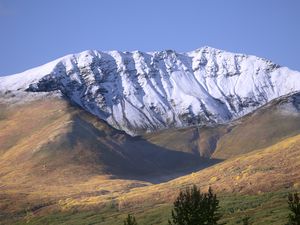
<point x="33" y="32"/>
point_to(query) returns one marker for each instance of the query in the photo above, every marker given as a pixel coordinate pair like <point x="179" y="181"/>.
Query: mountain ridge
<point x="141" y="92"/>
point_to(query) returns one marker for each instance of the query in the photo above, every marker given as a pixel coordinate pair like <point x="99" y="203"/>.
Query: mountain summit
<point x="140" y="92"/>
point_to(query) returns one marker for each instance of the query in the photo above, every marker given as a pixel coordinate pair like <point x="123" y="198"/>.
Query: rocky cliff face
<point x="139" y="92"/>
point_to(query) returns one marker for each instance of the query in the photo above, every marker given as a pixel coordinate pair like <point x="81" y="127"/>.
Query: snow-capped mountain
<point x="138" y="91"/>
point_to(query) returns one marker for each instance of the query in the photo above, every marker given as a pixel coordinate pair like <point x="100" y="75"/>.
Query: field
<point x="265" y="208"/>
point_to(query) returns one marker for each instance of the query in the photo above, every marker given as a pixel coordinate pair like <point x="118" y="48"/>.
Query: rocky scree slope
<point x="141" y="92"/>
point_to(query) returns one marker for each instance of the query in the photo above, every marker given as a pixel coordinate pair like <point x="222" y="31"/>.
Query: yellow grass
<point x="34" y="171"/>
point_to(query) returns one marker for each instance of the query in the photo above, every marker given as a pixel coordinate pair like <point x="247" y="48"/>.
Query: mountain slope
<point x="70" y="154"/>
<point x="52" y="150"/>
<point x="266" y="126"/>
<point x="269" y="125"/>
<point x="138" y="92"/>
<point x="258" y="181"/>
<point x="62" y="135"/>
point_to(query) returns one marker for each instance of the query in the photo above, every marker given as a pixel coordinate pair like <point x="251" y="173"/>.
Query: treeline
<point x="192" y="207"/>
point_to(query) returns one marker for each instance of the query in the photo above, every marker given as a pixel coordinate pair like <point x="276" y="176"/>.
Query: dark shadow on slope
<point x="94" y="144"/>
<point x="160" y="163"/>
<point x="95" y="147"/>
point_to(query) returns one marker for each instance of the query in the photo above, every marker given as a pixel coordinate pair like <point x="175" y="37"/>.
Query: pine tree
<point x="195" y="208"/>
<point x="294" y="206"/>
<point x="246" y="220"/>
<point x="130" y="220"/>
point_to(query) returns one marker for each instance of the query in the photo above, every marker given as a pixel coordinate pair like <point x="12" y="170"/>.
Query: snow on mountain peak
<point x="139" y="91"/>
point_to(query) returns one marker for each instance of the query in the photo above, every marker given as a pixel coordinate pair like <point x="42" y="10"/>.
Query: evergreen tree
<point x="130" y="220"/>
<point x="246" y="220"/>
<point x="195" y="208"/>
<point x="294" y="206"/>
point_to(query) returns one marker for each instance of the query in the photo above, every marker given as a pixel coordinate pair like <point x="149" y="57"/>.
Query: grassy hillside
<point x="271" y="169"/>
<point x="61" y="165"/>
<point x="255" y="184"/>
<point x="51" y="151"/>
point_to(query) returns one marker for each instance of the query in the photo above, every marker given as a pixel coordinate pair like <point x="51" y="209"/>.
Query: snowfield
<point x="141" y="92"/>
